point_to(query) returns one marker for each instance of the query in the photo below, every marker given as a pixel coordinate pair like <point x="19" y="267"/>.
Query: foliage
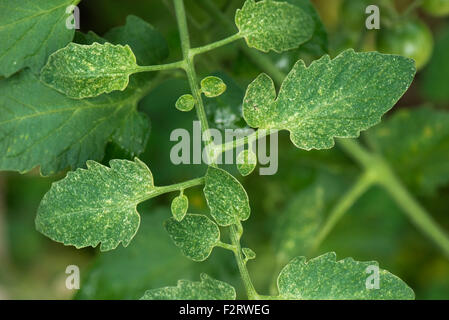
<point x="80" y="102"/>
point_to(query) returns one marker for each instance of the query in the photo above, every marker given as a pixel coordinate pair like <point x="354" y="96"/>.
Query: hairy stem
<point x="157" y="191"/>
<point x="160" y="67"/>
<point x="190" y="69"/>
<point x="235" y="231"/>
<point x="216" y="44"/>
<point x="235" y="239"/>
<point x="259" y="59"/>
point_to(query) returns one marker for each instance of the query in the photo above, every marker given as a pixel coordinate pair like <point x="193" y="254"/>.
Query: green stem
<point x="227" y="246"/>
<point x="190" y="69"/>
<point x="416" y="213"/>
<point x="261" y="60"/>
<point x="159" y="67"/>
<point x="242" y="141"/>
<point x="157" y="191"/>
<point x="344" y="204"/>
<point x="215" y="45"/>
<point x="235" y="239"/>
<point x="381" y="171"/>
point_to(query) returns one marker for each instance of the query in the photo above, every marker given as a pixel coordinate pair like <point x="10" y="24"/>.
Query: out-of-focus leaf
<point x="435" y="77"/>
<point x="416" y="143"/>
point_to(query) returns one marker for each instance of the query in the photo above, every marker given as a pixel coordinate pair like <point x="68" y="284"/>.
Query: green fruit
<point x="411" y="39"/>
<point x="436" y="7"/>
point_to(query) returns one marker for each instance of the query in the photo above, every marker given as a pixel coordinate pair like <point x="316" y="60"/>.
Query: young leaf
<point x="246" y="162"/>
<point x="83" y="71"/>
<point x="268" y="25"/>
<point x="212" y="86"/>
<point x="185" y="103"/>
<point x="46" y="128"/>
<point x="179" y="207"/>
<point x="325" y="278"/>
<point x="196" y="235"/>
<point x="207" y="289"/>
<point x="330" y="98"/>
<point x="97" y="205"/>
<point x="30" y="32"/>
<point x="248" y="253"/>
<point x="226" y="198"/>
<point x="417" y="141"/>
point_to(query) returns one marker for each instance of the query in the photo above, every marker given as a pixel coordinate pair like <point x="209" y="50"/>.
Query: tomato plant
<point x="75" y="107"/>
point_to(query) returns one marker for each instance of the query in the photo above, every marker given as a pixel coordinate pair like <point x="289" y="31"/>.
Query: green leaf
<point x="248" y="253"/>
<point x="225" y="111"/>
<point x="150" y="48"/>
<point x="436" y="76"/>
<point x="43" y="127"/>
<point x="416" y="140"/>
<point x="179" y="207"/>
<point x="196" y="235"/>
<point x="185" y="103"/>
<point x="318" y="44"/>
<point x="207" y="289"/>
<point x="268" y="25"/>
<point x="246" y="162"/>
<point x="97" y="205"/>
<point x="150" y="261"/>
<point x="83" y="71"/>
<point x="325" y="278"/>
<point x="133" y="133"/>
<point x="30" y="32"/>
<point x="146" y="42"/>
<point x="212" y="86"/>
<point x="299" y="223"/>
<point x="330" y="98"/>
<point x="226" y="197"/>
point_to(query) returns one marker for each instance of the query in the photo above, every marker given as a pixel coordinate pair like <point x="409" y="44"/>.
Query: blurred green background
<point x="306" y="186"/>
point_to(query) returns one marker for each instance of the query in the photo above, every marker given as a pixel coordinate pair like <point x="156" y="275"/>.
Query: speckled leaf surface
<point x="226" y="197"/>
<point x="149" y="47"/>
<point x="179" y="206"/>
<point x="416" y="140"/>
<point x="330" y="98"/>
<point x="39" y="126"/>
<point x="30" y="31"/>
<point x="207" y="289"/>
<point x="212" y="86"/>
<point x="83" y="71"/>
<point x="246" y="162"/>
<point x="97" y="205"/>
<point x="196" y="235"/>
<point x="326" y="278"/>
<point x="268" y="25"/>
